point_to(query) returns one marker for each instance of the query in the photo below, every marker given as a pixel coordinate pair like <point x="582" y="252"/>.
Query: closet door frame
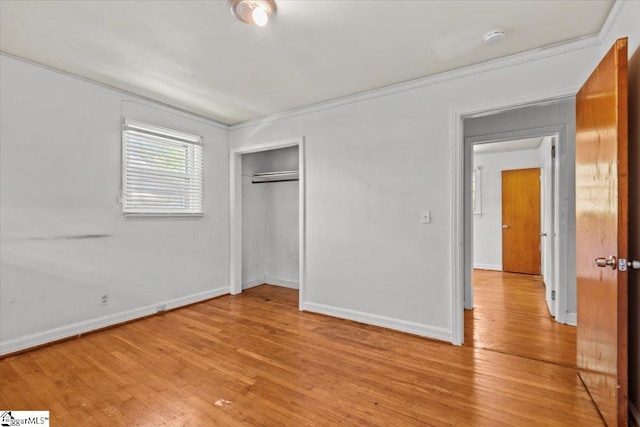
<point x="235" y="210"/>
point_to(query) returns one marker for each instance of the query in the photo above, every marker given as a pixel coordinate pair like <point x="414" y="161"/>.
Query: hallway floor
<point x="510" y="316"/>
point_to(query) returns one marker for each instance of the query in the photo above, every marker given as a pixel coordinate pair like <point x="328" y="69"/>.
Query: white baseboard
<point x="427" y="331"/>
<point x="634" y="415"/>
<point x="284" y="283"/>
<point x="488" y="267"/>
<point x="25" y="342"/>
<point x="253" y="283"/>
<point x="572" y="319"/>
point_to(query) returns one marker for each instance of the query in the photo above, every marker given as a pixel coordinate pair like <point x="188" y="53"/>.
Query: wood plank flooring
<point x="254" y="359"/>
<point x="510" y="315"/>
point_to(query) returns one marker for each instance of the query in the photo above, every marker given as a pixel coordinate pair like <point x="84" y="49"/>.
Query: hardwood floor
<point x="510" y="315"/>
<point x="254" y="359"/>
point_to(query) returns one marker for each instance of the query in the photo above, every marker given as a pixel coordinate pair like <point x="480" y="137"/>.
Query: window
<point x="476" y="190"/>
<point x="162" y="171"/>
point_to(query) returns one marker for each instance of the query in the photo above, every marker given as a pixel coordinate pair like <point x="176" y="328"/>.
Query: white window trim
<point x="137" y="212"/>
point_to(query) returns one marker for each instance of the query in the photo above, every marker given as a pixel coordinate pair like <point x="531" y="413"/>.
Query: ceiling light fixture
<point x="253" y="11"/>
<point x="494" y="36"/>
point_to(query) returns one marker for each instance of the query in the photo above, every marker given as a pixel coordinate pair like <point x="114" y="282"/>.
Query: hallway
<point x="510" y="316"/>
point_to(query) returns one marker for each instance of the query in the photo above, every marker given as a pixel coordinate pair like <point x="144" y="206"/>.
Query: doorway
<point x="553" y="114"/>
<point x="236" y="161"/>
<point x="499" y="239"/>
<point x="512" y="274"/>
<point x="512" y="186"/>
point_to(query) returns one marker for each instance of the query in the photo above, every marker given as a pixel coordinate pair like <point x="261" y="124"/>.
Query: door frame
<point x="235" y="211"/>
<point x="461" y="156"/>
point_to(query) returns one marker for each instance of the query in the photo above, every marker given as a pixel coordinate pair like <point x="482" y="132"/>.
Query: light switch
<point x="425" y="217"/>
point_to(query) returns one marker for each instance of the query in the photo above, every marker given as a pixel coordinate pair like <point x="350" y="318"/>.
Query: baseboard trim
<point x="423" y="330"/>
<point x="22" y="343"/>
<point x="571" y="319"/>
<point x="253" y="283"/>
<point x="284" y="283"/>
<point x="487" y="267"/>
<point x="634" y="415"/>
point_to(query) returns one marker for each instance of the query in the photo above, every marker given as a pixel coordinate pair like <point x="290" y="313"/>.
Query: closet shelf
<point x="280" y="176"/>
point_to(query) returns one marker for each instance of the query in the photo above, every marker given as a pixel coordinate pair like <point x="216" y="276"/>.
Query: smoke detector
<point x="494" y="36"/>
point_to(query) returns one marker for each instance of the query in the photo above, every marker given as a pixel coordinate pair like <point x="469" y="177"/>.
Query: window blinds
<point x="162" y="171"/>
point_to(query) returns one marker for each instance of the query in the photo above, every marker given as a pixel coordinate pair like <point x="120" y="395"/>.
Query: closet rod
<point x="277" y="180"/>
<point x="280" y="176"/>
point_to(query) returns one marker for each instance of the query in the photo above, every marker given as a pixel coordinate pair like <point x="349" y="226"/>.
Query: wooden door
<point x="521" y="221"/>
<point x="601" y="232"/>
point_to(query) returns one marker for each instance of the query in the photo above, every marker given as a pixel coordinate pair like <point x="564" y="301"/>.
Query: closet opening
<point x="267" y="216"/>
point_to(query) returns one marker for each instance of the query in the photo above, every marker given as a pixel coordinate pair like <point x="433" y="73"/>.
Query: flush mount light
<point x="494" y="36"/>
<point x="255" y="12"/>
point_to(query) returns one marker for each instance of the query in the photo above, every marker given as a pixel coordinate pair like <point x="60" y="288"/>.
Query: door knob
<point x="603" y="262"/>
<point x="505" y="226"/>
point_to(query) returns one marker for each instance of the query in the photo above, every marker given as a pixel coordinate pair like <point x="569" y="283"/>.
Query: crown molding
<point x="504" y="62"/>
<point x="483" y="67"/>
<point x="496" y="64"/>
<point x="615" y="11"/>
<point x="156" y="103"/>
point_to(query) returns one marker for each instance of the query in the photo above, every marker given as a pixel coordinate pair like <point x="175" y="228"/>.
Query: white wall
<point x="487" y="227"/>
<point x="63" y="239"/>
<point x="624" y="25"/>
<point x="282" y="230"/>
<point x="374" y="161"/>
<point x="270" y="221"/>
<point x="254" y="224"/>
<point x="281" y="159"/>
<point x="372" y="164"/>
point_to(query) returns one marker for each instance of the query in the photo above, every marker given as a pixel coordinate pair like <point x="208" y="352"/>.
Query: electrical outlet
<point x="104" y="299"/>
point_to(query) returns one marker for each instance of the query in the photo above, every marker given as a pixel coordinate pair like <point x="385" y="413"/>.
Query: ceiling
<point x="195" y="56"/>
<point x="502" y="146"/>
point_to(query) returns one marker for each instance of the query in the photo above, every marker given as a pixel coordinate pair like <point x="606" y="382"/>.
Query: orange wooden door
<point x="521" y="221"/>
<point x="601" y="232"/>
